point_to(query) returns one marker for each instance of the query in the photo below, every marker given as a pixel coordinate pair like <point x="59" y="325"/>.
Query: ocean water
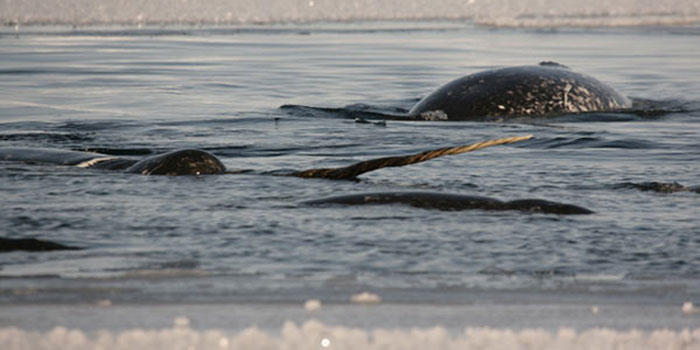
<point x="228" y="261"/>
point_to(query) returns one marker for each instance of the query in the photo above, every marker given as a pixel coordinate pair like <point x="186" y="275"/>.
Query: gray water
<point x="240" y="238"/>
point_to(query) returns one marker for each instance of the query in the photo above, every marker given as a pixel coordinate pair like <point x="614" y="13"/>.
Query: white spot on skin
<point x="567" y="88"/>
<point x="92" y="162"/>
<point x="434" y="115"/>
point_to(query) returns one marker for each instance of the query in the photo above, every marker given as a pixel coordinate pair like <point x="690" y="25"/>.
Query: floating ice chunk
<point x="316" y="335"/>
<point x="325" y="342"/>
<point x="223" y="342"/>
<point x="366" y="298"/>
<point x="312" y="305"/>
<point x="689" y="308"/>
<point x="181" y="322"/>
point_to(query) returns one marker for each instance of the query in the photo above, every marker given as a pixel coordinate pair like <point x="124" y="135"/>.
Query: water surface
<point x="247" y="238"/>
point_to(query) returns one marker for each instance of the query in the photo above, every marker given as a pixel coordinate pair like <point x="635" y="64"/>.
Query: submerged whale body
<point x="180" y="162"/>
<point x="451" y="202"/>
<point x="660" y="187"/>
<point x="547" y="89"/>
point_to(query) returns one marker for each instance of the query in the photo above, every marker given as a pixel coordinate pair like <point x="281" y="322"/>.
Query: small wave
<point x="96" y="125"/>
<point x="165" y="273"/>
<point x="538" y="274"/>
<point x="587" y="142"/>
<point x="649" y="109"/>
<point x="50" y="137"/>
<point x="117" y="151"/>
<point x="316" y="335"/>
<point x="362" y="111"/>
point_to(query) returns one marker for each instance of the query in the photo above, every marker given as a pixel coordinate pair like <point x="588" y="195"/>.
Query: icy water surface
<point x="247" y="238"/>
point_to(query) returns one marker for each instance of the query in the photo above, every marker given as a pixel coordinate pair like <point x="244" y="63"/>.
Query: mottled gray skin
<point x="548" y="89"/>
<point x="451" y="202"/>
<point x="180" y="162"/>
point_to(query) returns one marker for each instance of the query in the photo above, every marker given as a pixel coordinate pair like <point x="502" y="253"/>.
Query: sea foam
<point x="316" y="335"/>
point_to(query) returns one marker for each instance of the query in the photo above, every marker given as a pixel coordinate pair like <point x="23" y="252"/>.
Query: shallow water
<point x="247" y="238"/>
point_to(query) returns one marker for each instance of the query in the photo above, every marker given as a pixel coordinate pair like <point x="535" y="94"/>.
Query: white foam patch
<point x="316" y="335"/>
<point x="491" y="12"/>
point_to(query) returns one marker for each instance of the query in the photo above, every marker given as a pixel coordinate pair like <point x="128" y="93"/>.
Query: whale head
<point x="180" y="162"/>
<point x="547" y="89"/>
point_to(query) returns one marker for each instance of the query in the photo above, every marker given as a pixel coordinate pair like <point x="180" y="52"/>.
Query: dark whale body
<point x="31" y="245"/>
<point x="547" y="89"/>
<point x="451" y="202"/>
<point x="660" y="187"/>
<point x="198" y="162"/>
<point x="180" y="162"/>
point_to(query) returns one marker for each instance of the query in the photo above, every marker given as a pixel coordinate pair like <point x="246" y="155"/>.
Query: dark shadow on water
<point x="363" y="111"/>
